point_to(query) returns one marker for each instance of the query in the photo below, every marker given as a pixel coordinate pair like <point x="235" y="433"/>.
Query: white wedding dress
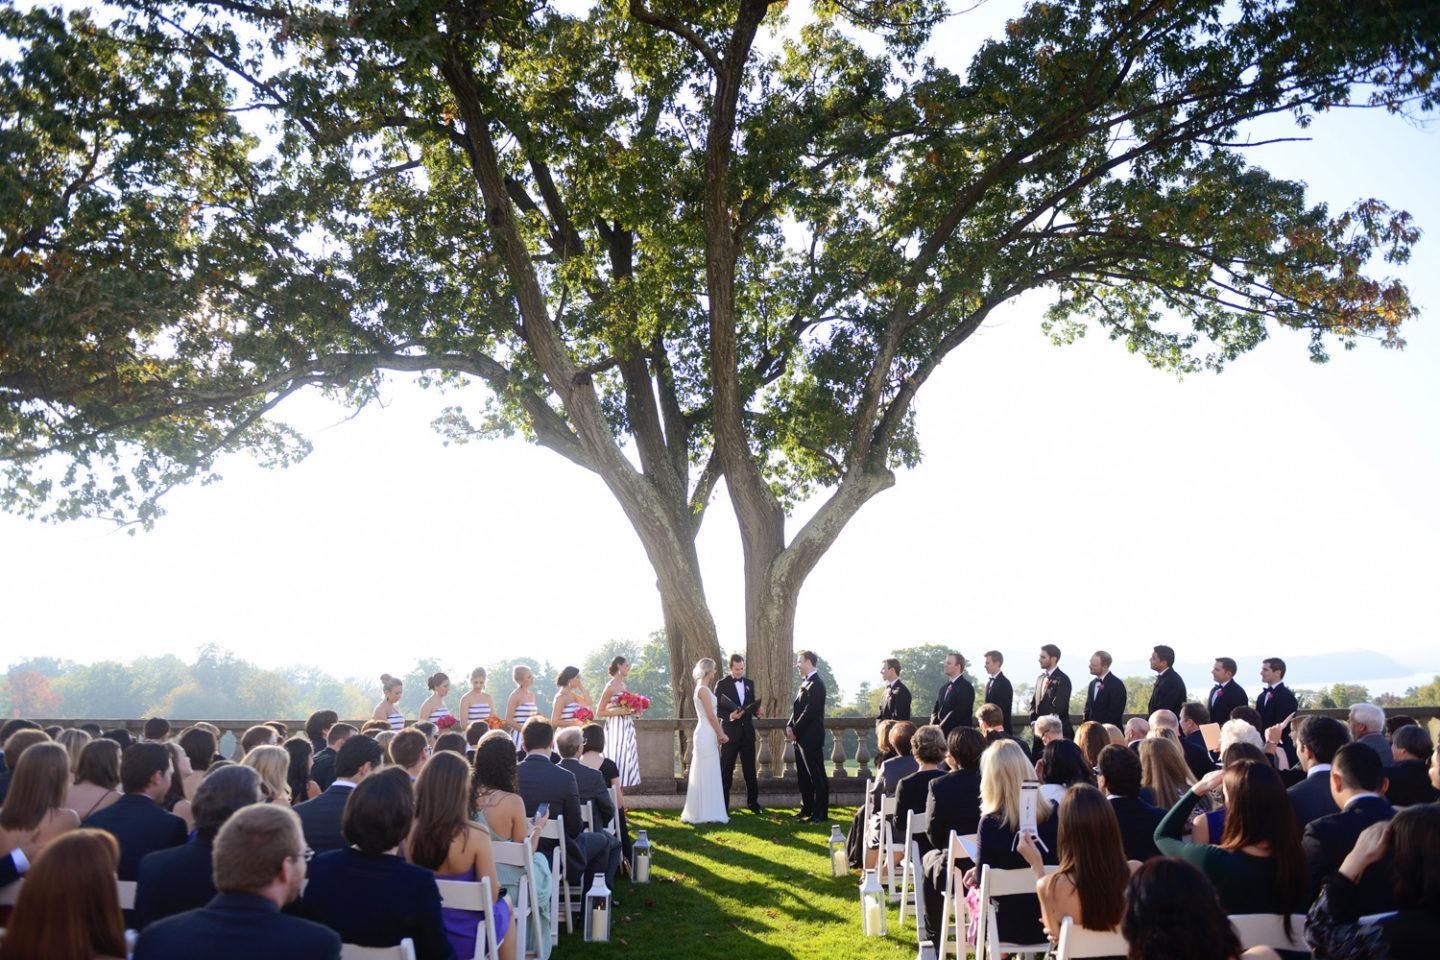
<point x="705" y="798"/>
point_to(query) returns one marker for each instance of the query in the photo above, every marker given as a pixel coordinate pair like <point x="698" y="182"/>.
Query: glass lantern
<point x="872" y="905"/>
<point x="640" y="859"/>
<point x="839" y="862"/>
<point x="597" y="911"/>
<point x="927" y="950"/>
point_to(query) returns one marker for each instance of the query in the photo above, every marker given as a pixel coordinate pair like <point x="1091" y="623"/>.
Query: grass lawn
<point x="758" y="887"/>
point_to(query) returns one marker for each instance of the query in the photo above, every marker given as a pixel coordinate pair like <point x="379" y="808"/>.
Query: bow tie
<point x="1218" y="686"/>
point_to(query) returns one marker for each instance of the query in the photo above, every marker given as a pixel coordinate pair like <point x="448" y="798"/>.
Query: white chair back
<point x="1268" y="930"/>
<point x="915" y="824"/>
<point x="525" y="911"/>
<point x="472" y="895"/>
<point x="1003" y="883"/>
<point x="1077" y="942"/>
<point x="554" y="829"/>
<point x="404" y="950"/>
<point x="614" y="825"/>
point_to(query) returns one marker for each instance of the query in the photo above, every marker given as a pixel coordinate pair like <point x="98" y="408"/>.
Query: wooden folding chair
<point x="473" y="895"/>
<point x="916" y="823"/>
<point x="404" y="950"/>
<point x="1076" y="942"/>
<point x="1003" y="883"/>
<point x="1268" y="930"/>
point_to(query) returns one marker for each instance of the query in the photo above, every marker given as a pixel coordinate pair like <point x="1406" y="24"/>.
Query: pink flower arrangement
<point x="446" y="722"/>
<point x="633" y="702"/>
<point x="584" y="715"/>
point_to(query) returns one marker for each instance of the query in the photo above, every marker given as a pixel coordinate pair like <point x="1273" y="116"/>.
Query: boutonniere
<point x="805" y="685"/>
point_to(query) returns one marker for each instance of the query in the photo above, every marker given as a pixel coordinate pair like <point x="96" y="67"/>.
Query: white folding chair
<point x="554" y="829"/>
<point x="525" y="911"/>
<point x="1268" y="930"/>
<point x="916" y="823"/>
<point x="473" y="895"/>
<point x="890" y="849"/>
<point x="10" y="893"/>
<point x="404" y="950"/>
<point x="1003" y="883"/>
<point x="1076" y="942"/>
<point x="587" y="815"/>
<point x="955" y="903"/>
<point x="126" y="891"/>
<point x="614" y="825"/>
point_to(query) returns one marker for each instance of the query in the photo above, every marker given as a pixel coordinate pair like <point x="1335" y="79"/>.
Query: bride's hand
<point x="724" y="739"/>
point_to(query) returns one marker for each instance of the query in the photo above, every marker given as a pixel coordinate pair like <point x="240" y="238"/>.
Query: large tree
<point x="672" y="241"/>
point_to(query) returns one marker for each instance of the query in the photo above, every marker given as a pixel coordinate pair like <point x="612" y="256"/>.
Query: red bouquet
<point x="494" y="722"/>
<point x="584" y="715"/>
<point x="446" y="722"/>
<point x="633" y="702"/>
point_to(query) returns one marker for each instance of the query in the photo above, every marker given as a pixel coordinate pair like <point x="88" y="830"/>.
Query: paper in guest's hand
<point x="1211" y="733"/>
<point x="1029" y="823"/>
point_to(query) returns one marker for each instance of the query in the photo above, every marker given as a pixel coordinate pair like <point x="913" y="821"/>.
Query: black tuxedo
<point x="1052" y="697"/>
<point x="741" y="744"/>
<point x="320" y="817"/>
<point x="142" y="826"/>
<point x="895" y="703"/>
<point x="807" y="722"/>
<point x="593" y="789"/>
<point x="322" y="768"/>
<point x="999" y="692"/>
<point x="1168" y="693"/>
<point x="1138" y="821"/>
<point x="1197" y="756"/>
<point x="173" y="881"/>
<point x="953" y="803"/>
<point x="377" y="900"/>
<point x="586" y="852"/>
<point x="1274" y="705"/>
<point x="1312" y="799"/>
<point x="1410" y="784"/>
<point x="1224" y="697"/>
<point x="1105" y="700"/>
<point x="1329" y="839"/>
<point x="237" y="926"/>
<point x="954" y="705"/>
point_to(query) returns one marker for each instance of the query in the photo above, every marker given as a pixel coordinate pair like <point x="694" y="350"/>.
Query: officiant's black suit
<point x="728" y="694"/>
<point x="807" y="721"/>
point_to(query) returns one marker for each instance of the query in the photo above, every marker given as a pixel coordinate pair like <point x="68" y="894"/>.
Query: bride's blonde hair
<point x="702" y="666"/>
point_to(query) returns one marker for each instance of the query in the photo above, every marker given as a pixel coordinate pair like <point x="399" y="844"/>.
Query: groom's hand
<point x="735" y="714"/>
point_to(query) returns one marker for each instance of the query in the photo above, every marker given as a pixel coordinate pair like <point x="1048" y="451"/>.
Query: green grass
<point x="759" y="887"/>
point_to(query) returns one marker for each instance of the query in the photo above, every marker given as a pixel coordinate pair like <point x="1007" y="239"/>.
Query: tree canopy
<point x="672" y="241"/>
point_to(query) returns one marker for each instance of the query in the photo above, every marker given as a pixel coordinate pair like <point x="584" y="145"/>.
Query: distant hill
<point x="1314" y="669"/>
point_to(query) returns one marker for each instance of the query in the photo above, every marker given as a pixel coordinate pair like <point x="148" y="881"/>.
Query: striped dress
<point x="397" y="721"/>
<point x="438" y="712"/>
<point x="621" y="748"/>
<point x="478" y="711"/>
<point x="523" y="711"/>
<point x="569" y="712"/>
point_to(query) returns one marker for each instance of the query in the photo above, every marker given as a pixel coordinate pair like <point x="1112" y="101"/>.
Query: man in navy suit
<point x="322" y="765"/>
<point x="806" y="728"/>
<point x="1275" y="702"/>
<point x="1169" y="690"/>
<point x="137" y="820"/>
<point x="955" y="701"/>
<point x="998" y="689"/>
<point x="1318" y="740"/>
<point x="1120" y="780"/>
<point x="321" y="816"/>
<point x="1105" y="698"/>
<point x="1226" y="695"/>
<point x="1357" y="784"/>
<point x="735" y="695"/>
<point x="540" y="781"/>
<point x="1192" y="716"/>
<point x="179" y="879"/>
<point x="259" y="866"/>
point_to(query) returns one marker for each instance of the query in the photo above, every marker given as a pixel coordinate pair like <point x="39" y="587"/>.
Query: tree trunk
<point x="770" y="646"/>
<point x="690" y="632"/>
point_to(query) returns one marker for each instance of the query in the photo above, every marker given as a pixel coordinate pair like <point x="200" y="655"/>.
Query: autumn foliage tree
<point x="672" y="242"/>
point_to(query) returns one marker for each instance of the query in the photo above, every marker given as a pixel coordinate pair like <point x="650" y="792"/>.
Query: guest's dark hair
<point x="1091" y="738"/>
<point x="120" y="735"/>
<point x="1251" y="716"/>
<point x="140" y="763"/>
<point x="219" y="795"/>
<point x="966" y="745"/>
<point x="566" y="675"/>
<point x="1196" y="713"/>
<point x="1172" y="913"/>
<point x="1415" y="838"/>
<point x="990" y="714"/>
<point x="20" y="741"/>
<point x="319" y="722"/>
<point x="297" y="775"/>
<point x="354" y="754"/>
<point x="99" y="764"/>
<point x="1064" y="764"/>
<point x="444" y="797"/>
<point x="900" y="736"/>
<point x="1258" y="810"/>
<point x="1240" y="750"/>
<point x="928" y="744"/>
<point x="1121" y="769"/>
<point x="1322" y="736"/>
<point x="379" y="811"/>
<point x="37" y="785"/>
<point x="594" y="736"/>
<point x="407" y="748"/>
<point x="452" y="742"/>
<point x="1398" y="722"/>
<point x="1093" y="855"/>
<point x="91" y="728"/>
<point x="260" y="735"/>
<point x="68" y="907"/>
<point x="339" y="732"/>
<point x="1414" y="740"/>
<point x="16" y="723"/>
<point x="156" y="728"/>
<point x="199" y="746"/>
<point x="473" y="733"/>
<point x="537" y="733"/>
<point x="616" y="664"/>
<point x="494" y="762"/>
<point x="1359" y="767"/>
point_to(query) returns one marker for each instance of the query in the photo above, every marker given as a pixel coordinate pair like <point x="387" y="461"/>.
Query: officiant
<point x="735" y="698"/>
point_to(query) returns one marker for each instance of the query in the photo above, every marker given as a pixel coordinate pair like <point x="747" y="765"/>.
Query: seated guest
<point x="1251" y="716"/>
<point x="587" y="780"/>
<point x="364" y="892"/>
<point x="1409" y="776"/>
<point x="1004" y="769"/>
<point x="1357" y="782"/>
<point x="1120" y="781"/>
<point x="1171" y="914"/>
<point x="587" y="852"/>
<point x="96" y="777"/>
<point x="1046" y="729"/>
<point x="1092" y="737"/>
<point x="593" y="756"/>
<point x="1258" y="865"/>
<point x="1367" y="726"/>
<point x="501" y="811"/>
<point x="317" y="729"/>
<point x="1060" y="765"/>
<point x="1334" y="929"/>
<point x="444" y="840"/>
<point x="903" y="764"/>
<point x="121" y="736"/>
<point x="952" y="803"/>
<point x="273" y="765"/>
<point x="452" y="741"/>
<point x="1136" y="729"/>
<point x="1211" y="824"/>
<point x="297" y="774"/>
<point x="1163" y="770"/>
<point x="1197" y="755"/>
<point x="409" y="751"/>
<point x="1240" y="731"/>
<point x="199" y="746"/>
<point x="1090" y="884"/>
<point x="73" y="740"/>
<point x="136" y="819"/>
<point x="68" y="907"/>
<point x="992" y="722"/>
<point x="322" y="816"/>
<point x="1116" y="735"/>
<point x="175" y="800"/>
<point x="179" y="879"/>
<point x="38" y="785"/>
<point x="473" y="733"/>
<point x="884" y="751"/>
<point x="1317" y="740"/>
<point x="258" y="867"/>
<point x="928" y="749"/>
<point x="156" y="730"/>
<point x="259" y="735"/>
<point x="17" y="743"/>
<point x="322" y="770"/>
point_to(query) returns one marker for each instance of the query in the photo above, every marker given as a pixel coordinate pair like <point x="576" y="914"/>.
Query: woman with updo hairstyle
<point x="620" y="743"/>
<point x="388" y="709"/>
<point x="476" y="705"/>
<point x="927" y="746"/>
<point x="434" y="706"/>
<point x="297" y="775"/>
<point x="569" y="698"/>
<point x="69" y="906"/>
<point x="273" y="765"/>
<point x="96" y="778"/>
<point x="499" y="808"/>
<point x="38" y="785"/>
<point x="1061" y="765"/>
<point x="521" y="705"/>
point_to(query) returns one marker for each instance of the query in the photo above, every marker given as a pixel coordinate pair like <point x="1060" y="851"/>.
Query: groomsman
<point x="1226" y="695"/>
<point x="1169" y="692"/>
<point x="955" y="703"/>
<point x="895" y="702"/>
<point x="1276" y="702"/>
<point x="997" y="689"/>
<point x="1052" y="691"/>
<point x="735" y="694"/>
<point x="1105" y="700"/>
<point x="807" y="728"/>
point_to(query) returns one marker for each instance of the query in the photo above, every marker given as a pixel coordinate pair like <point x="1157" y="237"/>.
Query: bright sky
<point x="1068" y="495"/>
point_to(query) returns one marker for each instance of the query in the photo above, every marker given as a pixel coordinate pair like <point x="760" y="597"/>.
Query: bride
<point x="705" y="798"/>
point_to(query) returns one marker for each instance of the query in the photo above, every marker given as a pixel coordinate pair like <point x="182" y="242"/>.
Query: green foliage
<point x="834" y="696"/>
<point x="1422" y="696"/>
<point x="650" y="676"/>
<point x="1342" y="695"/>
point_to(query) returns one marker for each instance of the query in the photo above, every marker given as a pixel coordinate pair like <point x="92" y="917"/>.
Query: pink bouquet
<point x="584" y="715"/>
<point x="633" y="702"/>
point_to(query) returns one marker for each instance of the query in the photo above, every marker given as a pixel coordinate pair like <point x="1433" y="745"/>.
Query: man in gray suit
<point x="1367" y="726"/>
<point x="586" y="852"/>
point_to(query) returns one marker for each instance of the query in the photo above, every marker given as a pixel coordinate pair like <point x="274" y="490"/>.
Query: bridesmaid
<point x="521" y="705"/>
<point x="434" y="706"/>
<point x="619" y="727"/>
<point x="569" y="698"/>
<point x="476" y="704"/>
<point x="386" y="710"/>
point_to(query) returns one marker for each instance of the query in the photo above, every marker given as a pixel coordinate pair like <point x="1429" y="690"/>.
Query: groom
<point x="807" y="729"/>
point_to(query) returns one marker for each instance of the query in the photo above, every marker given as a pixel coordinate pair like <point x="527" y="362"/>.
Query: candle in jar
<point x="873" y="918"/>
<point x="839" y="862"/>
<point x="599" y="923"/>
